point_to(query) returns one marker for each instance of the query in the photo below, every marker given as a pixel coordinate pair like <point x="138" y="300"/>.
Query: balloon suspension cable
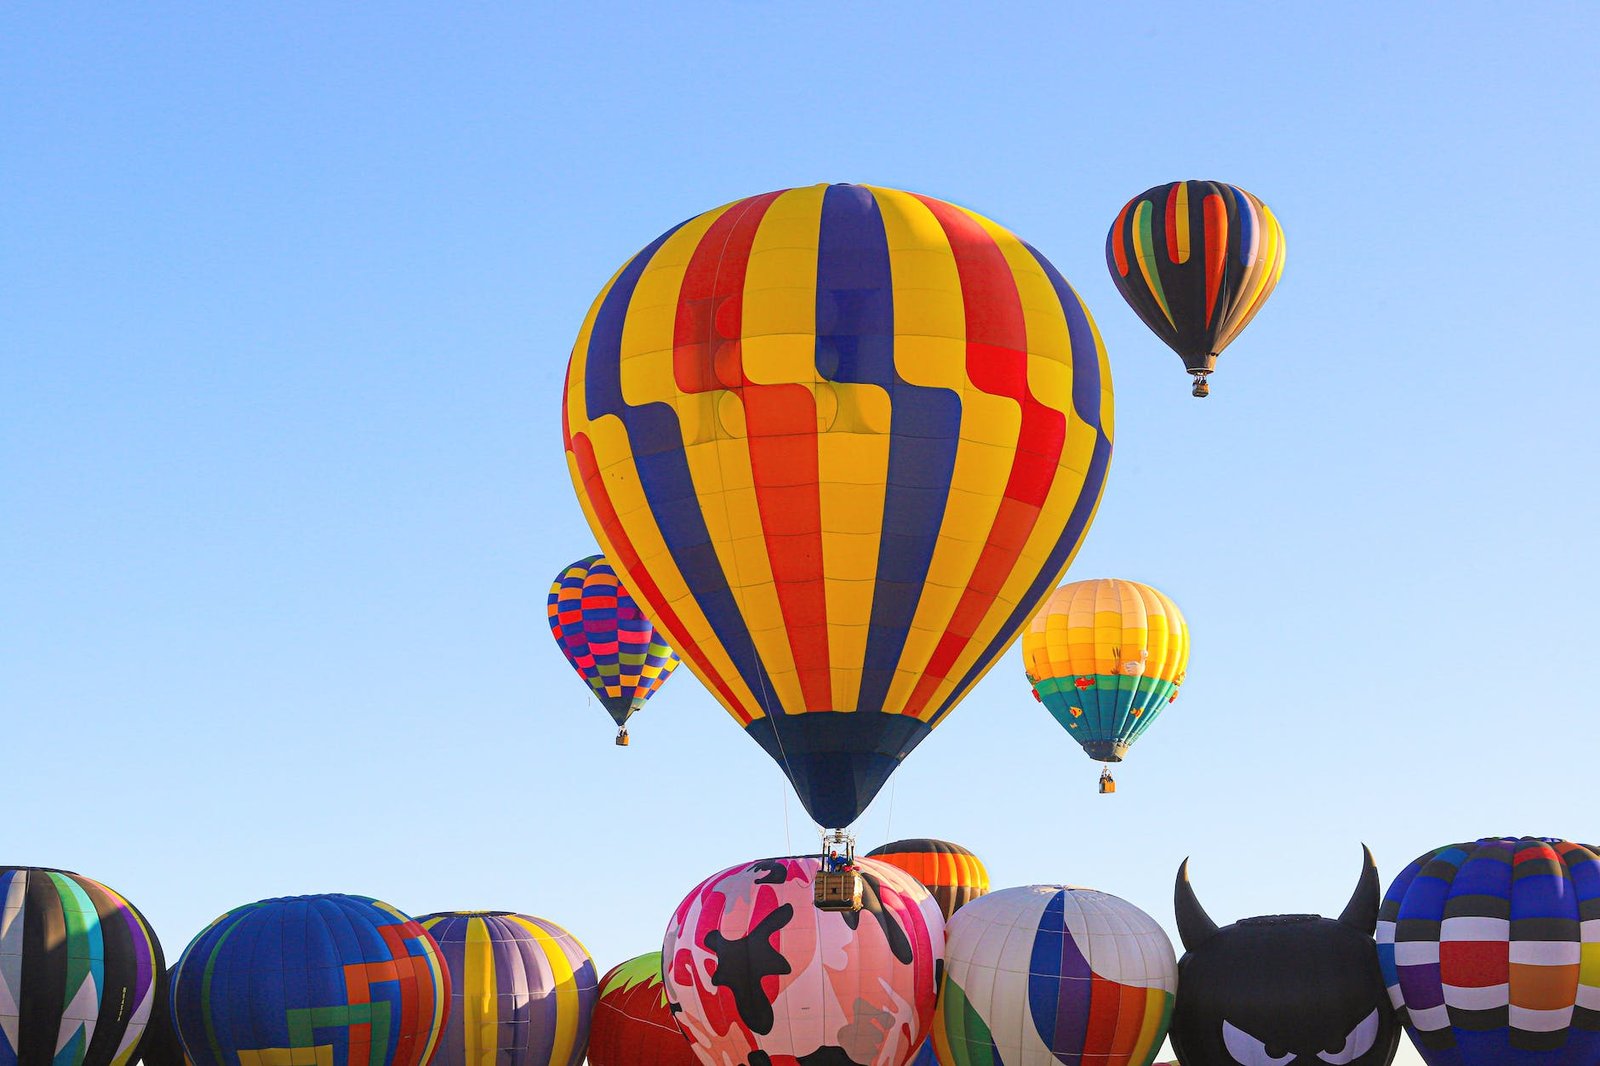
<point x="1202" y="387"/>
<point x="783" y="797"/>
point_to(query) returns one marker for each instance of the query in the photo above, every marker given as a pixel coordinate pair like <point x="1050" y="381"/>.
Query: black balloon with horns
<point x="1284" y="989"/>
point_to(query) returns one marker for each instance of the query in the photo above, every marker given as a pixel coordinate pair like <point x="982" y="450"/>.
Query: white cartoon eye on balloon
<point x="1357" y="1044"/>
<point x="1248" y="1051"/>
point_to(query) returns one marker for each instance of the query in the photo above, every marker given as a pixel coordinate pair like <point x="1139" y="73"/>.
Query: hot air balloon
<point x="953" y="874"/>
<point x="1491" y="951"/>
<point x="839" y="441"/>
<point x="607" y="639"/>
<point x="522" y="990"/>
<point x="1104" y="657"/>
<point x="753" y="969"/>
<point x="633" y="1022"/>
<point x="1282" y="989"/>
<point x="329" y="980"/>
<point x="1046" y="974"/>
<point x="80" y="971"/>
<point x="1195" y="260"/>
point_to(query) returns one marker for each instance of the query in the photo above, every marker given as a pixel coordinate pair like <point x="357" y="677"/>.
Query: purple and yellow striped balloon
<point x="522" y="990"/>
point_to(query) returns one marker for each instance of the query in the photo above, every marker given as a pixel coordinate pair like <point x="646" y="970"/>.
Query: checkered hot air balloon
<point x="80" y="971"/>
<point x="522" y="990"/>
<point x="839" y="442"/>
<point x="1195" y="260"/>
<point x="327" y="980"/>
<point x="607" y="639"/>
<point x="1491" y="951"/>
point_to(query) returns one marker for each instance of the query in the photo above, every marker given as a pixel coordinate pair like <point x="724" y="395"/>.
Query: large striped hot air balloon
<point x="1047" y="974"/>
<point x="522" y="990"/>
<point x="1491" y="951"/>
<point x="1195" y="260"/>
<point x="839" y="442"/>
<point x="80" y="971"/>
<point x="633" y="1022"/>
<point x="757" y="973"/>
<point x="1105" y="657"/>
<point x="328" y="980"/>
<point x="607" y="639"/>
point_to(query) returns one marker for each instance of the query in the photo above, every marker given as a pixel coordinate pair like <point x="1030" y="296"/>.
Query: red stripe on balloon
<point x="628" y="556"/>
<point x="1216" y="220"/>
<point x="705" y="331"/>
<point x="781" y="435"/>
<point x="1105" y="1002"/>
<point x="1117" y="251"/>
<point x="997" y="363"/>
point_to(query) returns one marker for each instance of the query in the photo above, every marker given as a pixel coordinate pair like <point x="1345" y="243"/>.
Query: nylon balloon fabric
<point x="1105" y="657"/>
<point x="327" y="980"/>
<point x="954" y="875"/>
<point x="1047" y="974"/>
<point x="633" y="1022"/>
<point x="1491" y="951"/>
<point x="758" y="974"/>
<point x="1196" y="260"/>
<point x="522" y="990"/>
<point x="80" y="971"/>
<point x="839" y="441"/>
<point x="607" y="639"/>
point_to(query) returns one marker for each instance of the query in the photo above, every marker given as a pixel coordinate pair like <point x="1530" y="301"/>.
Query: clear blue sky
<point x="286" y="296"/>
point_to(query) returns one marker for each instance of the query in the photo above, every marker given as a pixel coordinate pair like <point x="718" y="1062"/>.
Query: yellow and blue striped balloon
<point x="839" y="442"/>
<point x="522" y="990"/>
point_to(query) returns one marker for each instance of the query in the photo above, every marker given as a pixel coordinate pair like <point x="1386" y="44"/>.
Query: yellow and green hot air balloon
<point x="1105" y="656"/>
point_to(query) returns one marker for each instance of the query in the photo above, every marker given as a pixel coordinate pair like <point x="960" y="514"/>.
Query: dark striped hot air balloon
<point x="1195" y="260"/>
<point x="80" y="971"/>
<point x="839" y="442"/>
<point x="522" y="990"/>
<point x="954" y="875"/>
<point x="633" y="1022"/>
<point x="607" y="639"/>
<point x="329" y="980"/>
<point x="1491" y="951"/>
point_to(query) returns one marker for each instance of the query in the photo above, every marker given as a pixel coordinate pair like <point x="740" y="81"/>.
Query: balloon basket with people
<point x="838" y="883"/>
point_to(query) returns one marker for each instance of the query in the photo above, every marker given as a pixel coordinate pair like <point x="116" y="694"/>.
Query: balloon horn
<point x="1362" y="910"/>
<point x="1195" y="926"/>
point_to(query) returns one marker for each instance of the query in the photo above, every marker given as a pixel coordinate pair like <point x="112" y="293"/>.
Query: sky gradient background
<point x="286" y="298"/>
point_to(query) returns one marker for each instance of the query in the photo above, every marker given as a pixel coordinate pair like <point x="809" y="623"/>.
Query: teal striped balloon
<point x="80" y="971"/>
